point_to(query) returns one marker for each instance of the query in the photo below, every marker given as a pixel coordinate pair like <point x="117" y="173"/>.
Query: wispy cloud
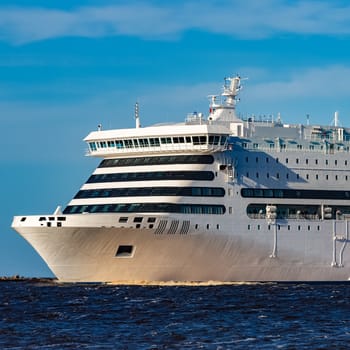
<point x="300" y="90"/>
<point x="322" y="83"/>
<point x="242" y="19"/>
<point x="317" y="91"/>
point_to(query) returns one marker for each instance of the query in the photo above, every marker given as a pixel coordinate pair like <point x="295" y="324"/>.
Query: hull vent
<point x="173" y="227"/>
<point x="185" y="227"/>
<point x="161" y="227"/>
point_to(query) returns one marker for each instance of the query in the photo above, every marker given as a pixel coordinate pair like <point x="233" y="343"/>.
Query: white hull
<point x="88" y="254"/>
<point x="217" y="198"/>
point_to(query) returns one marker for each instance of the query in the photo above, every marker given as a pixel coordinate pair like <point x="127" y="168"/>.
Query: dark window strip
<point x="294" y="194"/>
<point x="157" y="175"/>
<point x="152" y="191"/>
<point x="300" y="211"/>
<point x="186" y="159"/>
<point x="146" y="208"/>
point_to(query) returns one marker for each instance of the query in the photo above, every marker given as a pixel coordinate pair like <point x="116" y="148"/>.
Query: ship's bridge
<point x="175" y="138"/>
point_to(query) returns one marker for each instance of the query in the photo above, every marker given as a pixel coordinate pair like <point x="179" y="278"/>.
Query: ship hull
<point x="88" y="254"/>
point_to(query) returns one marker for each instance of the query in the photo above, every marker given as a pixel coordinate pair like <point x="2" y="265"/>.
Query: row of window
<point x="292" y="146"/>
<point x="156" y="176"/>
<point x="288" y="193"/>
<point x="186" y="159"/>
<point x="152" y="191"/>
<point x="294" y="211"/>
<point x="297" y="176"/>
<point x="157" y="141"/>
<point x="297" y="161"/>
<point x="147" y="208"/>
<point x="288" y="227"/>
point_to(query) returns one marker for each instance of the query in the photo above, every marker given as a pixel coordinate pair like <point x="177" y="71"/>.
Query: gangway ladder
<point x="341" y="238"/>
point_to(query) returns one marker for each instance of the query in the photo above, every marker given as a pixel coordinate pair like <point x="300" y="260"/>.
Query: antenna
<point x="137" y="117"/>
<point x="336" y="118"/>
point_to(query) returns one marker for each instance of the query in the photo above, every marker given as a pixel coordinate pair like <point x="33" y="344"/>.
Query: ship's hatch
<point x="124" y="251"/>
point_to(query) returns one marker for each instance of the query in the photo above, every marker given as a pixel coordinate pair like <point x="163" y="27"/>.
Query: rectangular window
<point x="123" y="219"/>
<point x="203" y="140"/>
<point x="92" y="146"/>
<point x="119" y="143"/>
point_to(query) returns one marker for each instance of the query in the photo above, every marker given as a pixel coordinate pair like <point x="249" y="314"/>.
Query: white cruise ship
<point x="215" y="198"/>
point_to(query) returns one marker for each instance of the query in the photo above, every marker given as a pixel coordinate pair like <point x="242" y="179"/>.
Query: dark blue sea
<point x="46" y="315"/>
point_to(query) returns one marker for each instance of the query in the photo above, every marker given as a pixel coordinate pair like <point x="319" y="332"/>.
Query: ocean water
<point x="239" y="316"/>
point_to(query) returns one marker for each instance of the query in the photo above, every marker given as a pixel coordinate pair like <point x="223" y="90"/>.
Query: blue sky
<point x="67" y="66"/>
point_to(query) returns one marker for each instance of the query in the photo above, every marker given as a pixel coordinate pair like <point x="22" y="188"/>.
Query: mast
<point x="137" y="117"/>
<point x="225" y="109"/>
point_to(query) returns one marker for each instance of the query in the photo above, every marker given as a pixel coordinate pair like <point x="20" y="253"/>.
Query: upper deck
<point x="176" y="138"/>
<point x="197" y="134"/>
<point x="208" y="135"/>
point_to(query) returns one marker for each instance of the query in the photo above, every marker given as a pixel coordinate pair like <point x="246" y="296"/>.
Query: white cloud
<point x="325" y="82"/>
<point x="316" y="91"/>
<point x="243" y="19"/>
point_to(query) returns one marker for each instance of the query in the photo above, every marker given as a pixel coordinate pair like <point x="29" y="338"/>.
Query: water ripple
<point x="250" y="316"/>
